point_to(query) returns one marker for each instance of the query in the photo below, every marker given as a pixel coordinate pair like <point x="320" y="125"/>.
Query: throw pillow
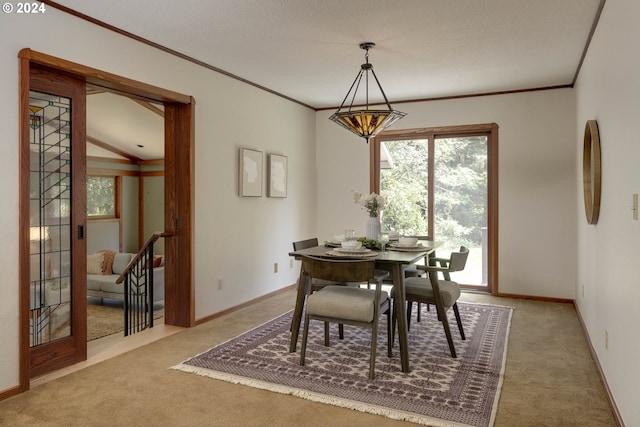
<point x="109" y="255"/>
<point x="157" y="262"/>
<point x="95" y="263"/>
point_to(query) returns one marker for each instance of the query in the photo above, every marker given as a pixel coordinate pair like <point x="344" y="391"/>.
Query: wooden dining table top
<point x="390" y="255"/>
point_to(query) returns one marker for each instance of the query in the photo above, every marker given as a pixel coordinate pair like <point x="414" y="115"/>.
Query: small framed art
<point x="250" y="176"/>
<point x="277" y="176"/>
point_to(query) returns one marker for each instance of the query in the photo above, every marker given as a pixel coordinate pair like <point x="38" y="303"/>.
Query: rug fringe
<point x="317" y="397"/>
<point x="494" y="409"/>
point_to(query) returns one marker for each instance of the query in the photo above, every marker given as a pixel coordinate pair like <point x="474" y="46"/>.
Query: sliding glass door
<point x="437" y="184"/>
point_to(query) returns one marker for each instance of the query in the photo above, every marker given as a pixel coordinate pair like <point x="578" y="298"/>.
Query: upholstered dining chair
<point x="317" y="284"/>
<point x="413" y="271"/>
<point x="443" y="294"/>
<point x="348" y="305"/>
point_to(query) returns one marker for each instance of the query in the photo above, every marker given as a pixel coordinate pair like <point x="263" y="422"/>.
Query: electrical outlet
<point x="275" y="267"/>
<point x="606" y="339"/>
<point x="219" y="282"/>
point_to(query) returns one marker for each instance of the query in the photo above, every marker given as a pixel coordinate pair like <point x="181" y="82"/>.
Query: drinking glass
<point x="349" y="235"/>
<point x="383" y="238"/>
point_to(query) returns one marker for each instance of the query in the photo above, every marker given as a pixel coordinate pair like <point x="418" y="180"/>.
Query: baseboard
<point x="594" y="356"/>
<point x="243" y="305"/>
<point x="5" y="394"/>
<point x="535" y="298"/>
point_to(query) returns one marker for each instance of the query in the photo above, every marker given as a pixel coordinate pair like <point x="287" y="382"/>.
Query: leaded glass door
<point x="57" y="286"/>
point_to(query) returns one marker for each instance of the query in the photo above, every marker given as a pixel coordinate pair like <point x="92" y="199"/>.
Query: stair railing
<point x="138" y="288"/>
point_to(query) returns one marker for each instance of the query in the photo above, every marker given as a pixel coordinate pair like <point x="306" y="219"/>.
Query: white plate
<point x="352" y="250"/>
<point x="398" y="245"/>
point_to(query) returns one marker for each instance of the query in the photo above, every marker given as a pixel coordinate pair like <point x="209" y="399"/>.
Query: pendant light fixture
<point x="365" y="123"/>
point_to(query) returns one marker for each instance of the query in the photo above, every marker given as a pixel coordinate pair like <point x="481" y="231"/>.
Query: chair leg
<point x="419" y="306"/>
<point x="374" y="344"/>
<point x="392" y="313"/>
<point x="326" y="334"/>
<point x="305" y="333"/>
<point x="409" y="307"/>
<point x="389" y="333"/>
<point x="458" y="320"/>
<point x="442" y="314"/>
<point x="341" y="331"/>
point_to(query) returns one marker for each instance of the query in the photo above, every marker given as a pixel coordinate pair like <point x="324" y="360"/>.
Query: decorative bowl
<point x="351" y="244"/>
<point x="408" y="241"/>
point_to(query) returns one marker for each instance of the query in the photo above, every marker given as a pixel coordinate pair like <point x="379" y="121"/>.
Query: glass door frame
<point x="66" y="351"/>
<point x="488" y="129"/>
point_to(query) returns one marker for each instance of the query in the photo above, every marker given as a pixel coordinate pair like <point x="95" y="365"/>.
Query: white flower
<point x="373" y="203"/>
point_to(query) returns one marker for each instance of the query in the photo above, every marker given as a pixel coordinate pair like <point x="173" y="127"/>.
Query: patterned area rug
<point x="439" y="390"/>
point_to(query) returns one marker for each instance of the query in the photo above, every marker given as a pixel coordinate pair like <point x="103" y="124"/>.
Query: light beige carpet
<point x="550" y="380"/>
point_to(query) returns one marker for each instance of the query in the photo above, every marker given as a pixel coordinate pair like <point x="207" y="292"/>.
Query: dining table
<point x="393" y="259"/>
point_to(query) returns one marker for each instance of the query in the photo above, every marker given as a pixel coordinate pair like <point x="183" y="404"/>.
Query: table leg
<point x="297" y="313"/>
<point x="400" y="312"/>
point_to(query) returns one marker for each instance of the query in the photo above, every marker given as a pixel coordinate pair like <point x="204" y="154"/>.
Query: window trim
<point x="117" y="195"/>
<point x="488" y="129"/>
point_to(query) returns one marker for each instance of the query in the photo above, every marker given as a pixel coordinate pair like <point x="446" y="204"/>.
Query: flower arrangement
<point x="373" y="203"/>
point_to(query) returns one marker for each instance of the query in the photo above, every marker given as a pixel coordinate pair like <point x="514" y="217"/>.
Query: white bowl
<point x="338" y="238"/>
<point x="351" y="244"/>
<point x="408" y="241"/>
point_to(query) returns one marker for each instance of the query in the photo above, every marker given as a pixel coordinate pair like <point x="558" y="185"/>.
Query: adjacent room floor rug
<point x="439" y="390"/>
<point x="105" y="320"/>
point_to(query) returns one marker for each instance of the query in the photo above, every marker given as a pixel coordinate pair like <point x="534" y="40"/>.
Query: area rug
<point x="439" y="390"/>
<point x="105" y="320"/>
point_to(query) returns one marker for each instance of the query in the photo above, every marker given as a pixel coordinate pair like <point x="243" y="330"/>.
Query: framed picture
<point x="250" y="176"/>
<point x="277" y="176"/>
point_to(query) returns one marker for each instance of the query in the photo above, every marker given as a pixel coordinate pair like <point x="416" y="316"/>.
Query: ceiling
<point x="308" y="50"/>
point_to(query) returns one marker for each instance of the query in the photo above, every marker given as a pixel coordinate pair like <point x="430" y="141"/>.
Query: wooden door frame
<point x="179" y="197"/>
<point x="491" y="129"/>
<point x="62" y="352"/>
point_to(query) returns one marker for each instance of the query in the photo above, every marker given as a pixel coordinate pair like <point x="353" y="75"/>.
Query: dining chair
<point x="443" y="294"/>
<point x="317" y="284"/>
<point x="348" y="305"/>
<point x="413" y="271"/>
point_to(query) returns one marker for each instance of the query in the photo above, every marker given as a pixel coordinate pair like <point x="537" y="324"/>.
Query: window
<point x="102" y="197"/>
<point x="442" y="182"/>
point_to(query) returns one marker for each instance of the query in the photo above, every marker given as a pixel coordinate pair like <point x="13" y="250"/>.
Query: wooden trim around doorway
<point x="179" y="179"/>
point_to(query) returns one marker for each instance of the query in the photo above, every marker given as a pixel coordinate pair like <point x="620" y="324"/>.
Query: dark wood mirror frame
<point x="591" y="171"/>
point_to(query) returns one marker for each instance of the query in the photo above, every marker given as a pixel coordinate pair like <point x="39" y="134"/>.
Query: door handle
<point x="81" y="232"/>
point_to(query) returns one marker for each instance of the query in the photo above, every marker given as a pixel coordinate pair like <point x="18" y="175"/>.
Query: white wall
<point x="129" y="214"/>
<point x="232" y="234"/>
<point x="608" y="267"/>
<point x="537" y="188"/>
<point x="153" y="205"/>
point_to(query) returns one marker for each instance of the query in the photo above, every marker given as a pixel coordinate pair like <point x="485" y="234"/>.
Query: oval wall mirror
<point x="591" y="171"/>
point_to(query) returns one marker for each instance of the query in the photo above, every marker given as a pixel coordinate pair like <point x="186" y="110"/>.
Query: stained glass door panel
<point x="49" y="218"/>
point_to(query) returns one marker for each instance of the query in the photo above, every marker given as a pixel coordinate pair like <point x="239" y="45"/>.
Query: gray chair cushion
<point x="450" y="291"/>
<point x="344" y="302"/>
